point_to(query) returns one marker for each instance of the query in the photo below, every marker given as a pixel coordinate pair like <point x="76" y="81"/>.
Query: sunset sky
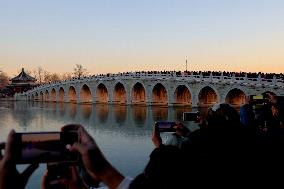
<point x="131" y="35"/>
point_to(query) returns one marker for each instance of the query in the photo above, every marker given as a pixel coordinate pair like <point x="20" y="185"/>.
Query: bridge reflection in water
<point x="117" y="115"/>
<point x="94" y="115"/>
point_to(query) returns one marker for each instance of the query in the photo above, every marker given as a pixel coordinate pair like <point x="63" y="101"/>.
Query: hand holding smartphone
<point x="44" y="147"/>
<point x="57" y="172"/>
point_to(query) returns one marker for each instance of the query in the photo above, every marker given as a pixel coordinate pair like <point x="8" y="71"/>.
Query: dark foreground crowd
<point x="230" y="149"/>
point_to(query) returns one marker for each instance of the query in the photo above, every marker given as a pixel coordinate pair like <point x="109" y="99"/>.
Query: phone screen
<point x="259" y="100"/>
<point x="165" y="126"/>
<point x="190" y="116"/>
<point x="45" y="147"/>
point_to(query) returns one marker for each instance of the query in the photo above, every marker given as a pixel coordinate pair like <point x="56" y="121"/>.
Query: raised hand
<point x="93" y="159"/>
<point x="9" y="175"/>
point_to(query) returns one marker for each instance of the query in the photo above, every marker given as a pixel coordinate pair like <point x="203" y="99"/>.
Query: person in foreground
<point x="9" y="176"/>
<point x="165" y="167"/>
<point x="96" y="165"/>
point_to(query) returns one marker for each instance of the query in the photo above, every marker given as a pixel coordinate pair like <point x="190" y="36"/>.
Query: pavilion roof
<point x="23" y="76"/>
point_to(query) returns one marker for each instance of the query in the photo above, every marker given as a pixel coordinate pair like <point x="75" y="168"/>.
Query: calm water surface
<point x="122" y="132"/>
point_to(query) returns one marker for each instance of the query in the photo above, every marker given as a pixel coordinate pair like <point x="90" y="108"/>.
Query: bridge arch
<point x="138" y="93"/>
<point x="159" y="95"/>
<point x="236" y="97"/>
<point x="85" y="94"/>
<point x="207" y="96"/>
<point x="53" y="95"/>
<point x="46" y="95"/>
<point x="41" y="97"/>
<point x="119" y="94"/>
<point x="72" y="95"/>
<point x="102" y="94"/>
<point x="61" y="94"/>
<point x="36" y="96"/>
<point x="182" y="95"/>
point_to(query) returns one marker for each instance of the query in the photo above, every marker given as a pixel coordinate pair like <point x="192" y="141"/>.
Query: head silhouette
<point x="222" y="116"/>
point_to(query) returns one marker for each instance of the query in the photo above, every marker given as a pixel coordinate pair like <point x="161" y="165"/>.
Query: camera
<point x="191" y="116"/>
<point x="44" y="147"/>
<point x="165" y="126"/>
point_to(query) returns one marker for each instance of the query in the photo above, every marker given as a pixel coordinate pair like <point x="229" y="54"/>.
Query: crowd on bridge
<point x="230" y="148"/>
<point x="207" y="73"/>
<point x="238" y="74"/>
<point x="255" y="75"/>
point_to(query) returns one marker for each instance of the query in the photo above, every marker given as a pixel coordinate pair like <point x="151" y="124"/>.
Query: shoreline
<point x="7" y="99"/>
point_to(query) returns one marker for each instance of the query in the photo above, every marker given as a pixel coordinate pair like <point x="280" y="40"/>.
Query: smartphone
<point x="165" y="126"/>
<point x="191" y="116"/>
<point x="57" y="171"/>
<point x="259" y="100"/>
<point x="44" y="147"/>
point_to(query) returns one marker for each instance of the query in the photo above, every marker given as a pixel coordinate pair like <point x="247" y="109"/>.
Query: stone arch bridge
<point x="155" y="89"/>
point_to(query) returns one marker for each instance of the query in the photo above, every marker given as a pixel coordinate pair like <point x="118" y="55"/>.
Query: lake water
<point x="122" y="132"/>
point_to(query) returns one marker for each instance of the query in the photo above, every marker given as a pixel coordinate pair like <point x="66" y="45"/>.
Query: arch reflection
<point x="61" y="108"/>
<point x="86" y="110"/>
<point x="23" y="117"/>
<point x="102" y="112"/>
<point x="139" y="114"/>
<point x="159" y="113"/>
<point x="120" y="114"/>
<point x="72" y="110"/>
<point x="54" y="108"/>
<point x="178" y="112"/>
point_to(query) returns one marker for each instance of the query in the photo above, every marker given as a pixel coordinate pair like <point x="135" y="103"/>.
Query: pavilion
<point x="22" y="83"/>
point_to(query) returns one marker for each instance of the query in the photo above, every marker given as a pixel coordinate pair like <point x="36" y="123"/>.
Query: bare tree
<point x="46" y="77"/>
<point x="66" y="76"/>
<point x="54" y="77"/>
<point x="38" y="73"/>
<point x="50" y="77"/>
<point x="79" y="71"/>
<point x="4" y="79"/>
